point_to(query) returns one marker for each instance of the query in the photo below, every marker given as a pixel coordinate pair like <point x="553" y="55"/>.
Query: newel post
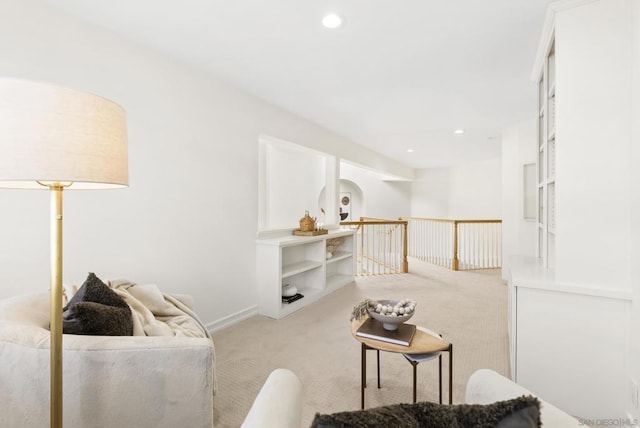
<point x="454" y="260"/>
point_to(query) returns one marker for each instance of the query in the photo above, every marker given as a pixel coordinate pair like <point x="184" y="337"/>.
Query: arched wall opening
<point x="350" y="203"/>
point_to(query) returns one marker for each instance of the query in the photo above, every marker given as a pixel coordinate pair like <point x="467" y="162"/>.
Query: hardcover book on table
<point x="373" y="329"/>
<point x="291" y="299"/>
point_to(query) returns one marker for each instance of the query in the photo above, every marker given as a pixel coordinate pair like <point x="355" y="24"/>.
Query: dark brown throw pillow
<point x="521" y="412"/>
<point x="97" y="310"/>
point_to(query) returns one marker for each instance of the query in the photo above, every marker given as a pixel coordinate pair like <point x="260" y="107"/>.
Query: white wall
<point x="380" y="198"/>
<point x="518" y="235"/>
<point x="634" y="352"/>
<point x="188" y="220"/>
<point x="294" y="179"/>
<point x="469" y="191"/>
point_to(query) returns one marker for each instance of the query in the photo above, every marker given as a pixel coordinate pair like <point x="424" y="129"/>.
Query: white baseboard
<point x="229" y="320"/>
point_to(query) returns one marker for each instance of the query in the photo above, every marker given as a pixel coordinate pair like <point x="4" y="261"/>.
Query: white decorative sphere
<point x="289" y="290"/>
<point x="391" y="312"/>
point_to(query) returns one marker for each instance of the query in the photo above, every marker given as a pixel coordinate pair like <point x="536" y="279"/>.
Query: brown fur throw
<point x="97" y="310"/>
<point x="519" y="412"/>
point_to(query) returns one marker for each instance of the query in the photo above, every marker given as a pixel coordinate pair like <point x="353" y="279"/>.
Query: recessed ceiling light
<point x="409" y="150"/>
<point x="332" y="20"/>
<point x="459" y="131"/>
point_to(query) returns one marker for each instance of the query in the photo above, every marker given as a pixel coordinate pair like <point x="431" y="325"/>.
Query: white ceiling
<point x="402" y="74"/>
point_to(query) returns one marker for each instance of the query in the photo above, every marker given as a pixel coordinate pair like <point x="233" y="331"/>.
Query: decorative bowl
<point x="390" y="322"/>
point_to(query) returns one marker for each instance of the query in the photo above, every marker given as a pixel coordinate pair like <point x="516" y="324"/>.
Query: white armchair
<point x="108" y="381"/>
<point x="278" y="404"/>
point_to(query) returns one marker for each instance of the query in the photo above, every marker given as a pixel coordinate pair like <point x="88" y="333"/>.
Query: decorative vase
<point x="289" y="290"/>
<point x="307" y="223"/>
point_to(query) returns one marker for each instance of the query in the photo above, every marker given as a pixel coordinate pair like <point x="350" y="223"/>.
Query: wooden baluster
<point x="431" y="238"/>
<point x="500" y="245"/>
<point x="365" y="252"/>
<point x="405" y="261"/>
<point x="430" y="241"/>
<point x="490" y="243"/>
<point x="480" y="246"/>
<point x="362" y="249"/>
<point x="478" y="241"/>
<point x="383" y="244"/>
<point x="494" y="243"/>
<point x="376" y="235"/>
<point x="388" y="255"/>
<point x="417" y="225"/>
<point x="462" y="242"/>
<point x="455" y="246"/>
<point x="394" y="256"/>
<point x="441" y="233"/>
<point x="483" y="240"/>
<point x="436" y="243"/>
<point x="426" y="239"/>
<point x="376" y="250"/>
<point x="465" y="234"/>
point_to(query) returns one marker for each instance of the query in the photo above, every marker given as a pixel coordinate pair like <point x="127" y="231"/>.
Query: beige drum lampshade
<point x="54" y="134"/>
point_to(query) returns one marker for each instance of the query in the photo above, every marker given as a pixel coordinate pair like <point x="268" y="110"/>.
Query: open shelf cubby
<point x="301" y="262"/>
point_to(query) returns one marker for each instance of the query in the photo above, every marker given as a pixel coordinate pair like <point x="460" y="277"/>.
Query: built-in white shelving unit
<point x="572" y="305"/>
<point x="301" y="261"/>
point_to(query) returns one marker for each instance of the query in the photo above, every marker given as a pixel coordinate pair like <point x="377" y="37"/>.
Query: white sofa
<point x="279" y="402"/>
<point x="133" y="381"/>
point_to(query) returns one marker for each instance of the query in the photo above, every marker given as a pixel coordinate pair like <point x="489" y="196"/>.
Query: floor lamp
<point x="55" y="138"/>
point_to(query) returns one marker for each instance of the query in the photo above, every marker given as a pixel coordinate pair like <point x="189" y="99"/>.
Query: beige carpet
<point x="469" y="309"/>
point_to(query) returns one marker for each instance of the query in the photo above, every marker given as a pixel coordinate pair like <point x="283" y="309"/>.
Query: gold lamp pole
<point x="56" y="138"/>
<point x="55" y="324"/>
<point x="56" y="305"/>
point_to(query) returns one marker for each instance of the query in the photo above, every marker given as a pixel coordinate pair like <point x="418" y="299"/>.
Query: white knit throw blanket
<point x="156" y="313"/>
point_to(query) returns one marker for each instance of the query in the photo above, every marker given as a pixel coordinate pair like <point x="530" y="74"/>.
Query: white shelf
<point x="338" y="280"/>
<point x="299" y="267"/>
<point x="339" y="255"/>
<point x="310" y="295"/>
<point x="301" y="262"/>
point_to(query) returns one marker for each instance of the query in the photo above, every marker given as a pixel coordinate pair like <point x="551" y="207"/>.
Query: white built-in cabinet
<point x="569" y="308"/>
<point x="301" y="261"/>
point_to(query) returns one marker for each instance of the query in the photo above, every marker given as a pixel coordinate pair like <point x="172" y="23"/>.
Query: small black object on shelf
<point x="291" y="299"/>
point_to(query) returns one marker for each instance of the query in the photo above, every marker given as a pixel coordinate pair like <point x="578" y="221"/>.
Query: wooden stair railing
<point x="456" y="244"/>
<point x="382" y="246"/>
